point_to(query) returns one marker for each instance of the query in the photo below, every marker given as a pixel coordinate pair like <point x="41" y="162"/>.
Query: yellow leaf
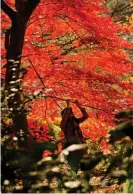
<point x="131" y="4"/>
<point x="115" y="86"/>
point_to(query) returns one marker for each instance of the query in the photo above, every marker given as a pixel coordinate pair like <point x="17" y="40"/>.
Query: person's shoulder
<point x="76" y="120"/>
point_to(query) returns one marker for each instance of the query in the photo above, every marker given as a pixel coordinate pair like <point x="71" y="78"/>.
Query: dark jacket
<point x="71" y="129"/>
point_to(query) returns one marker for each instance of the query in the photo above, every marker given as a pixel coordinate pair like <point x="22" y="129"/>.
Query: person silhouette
<point x="70" y="124"/>
<point x="72" y="132"/>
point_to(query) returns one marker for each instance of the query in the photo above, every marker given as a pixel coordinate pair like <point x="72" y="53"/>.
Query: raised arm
<point x="85" y="114"/>
<point x="65" y="113"/>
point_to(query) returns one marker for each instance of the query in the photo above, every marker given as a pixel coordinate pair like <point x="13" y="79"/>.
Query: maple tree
<point x="71" y="50"/>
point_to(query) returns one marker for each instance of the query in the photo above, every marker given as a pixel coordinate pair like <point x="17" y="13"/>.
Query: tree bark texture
<point x="14" y="44"/>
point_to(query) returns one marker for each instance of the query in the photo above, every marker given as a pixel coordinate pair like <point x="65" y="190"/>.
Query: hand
<point x="77" y="103"/>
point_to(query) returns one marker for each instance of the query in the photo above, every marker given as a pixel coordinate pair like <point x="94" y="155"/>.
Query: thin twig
<point x="37" y="73"/>
<point x="42" y="80"/>
<point x="75" y="32"/>
<point x="62" y="99"/>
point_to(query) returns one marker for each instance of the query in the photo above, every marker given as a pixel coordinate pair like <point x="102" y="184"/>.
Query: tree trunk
<point x="12" y="81"/>
<point x="14" y="45"/>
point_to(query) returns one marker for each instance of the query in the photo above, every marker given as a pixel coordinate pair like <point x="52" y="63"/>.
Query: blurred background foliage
<point x="24" y="171"/>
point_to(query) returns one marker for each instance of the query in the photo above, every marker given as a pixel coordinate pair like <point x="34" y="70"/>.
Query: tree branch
<point x="37" y="73"/>
<point x="31" y="5"/>
<point x="10" y="12"/>
<point x="62" y="99"/>
<point x="41" y="80"/>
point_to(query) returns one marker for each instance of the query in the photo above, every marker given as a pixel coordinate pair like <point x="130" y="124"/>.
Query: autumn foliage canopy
<point x="73" y="50"/>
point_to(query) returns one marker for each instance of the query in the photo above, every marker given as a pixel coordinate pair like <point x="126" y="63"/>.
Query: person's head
<point x="69" y="111"/>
